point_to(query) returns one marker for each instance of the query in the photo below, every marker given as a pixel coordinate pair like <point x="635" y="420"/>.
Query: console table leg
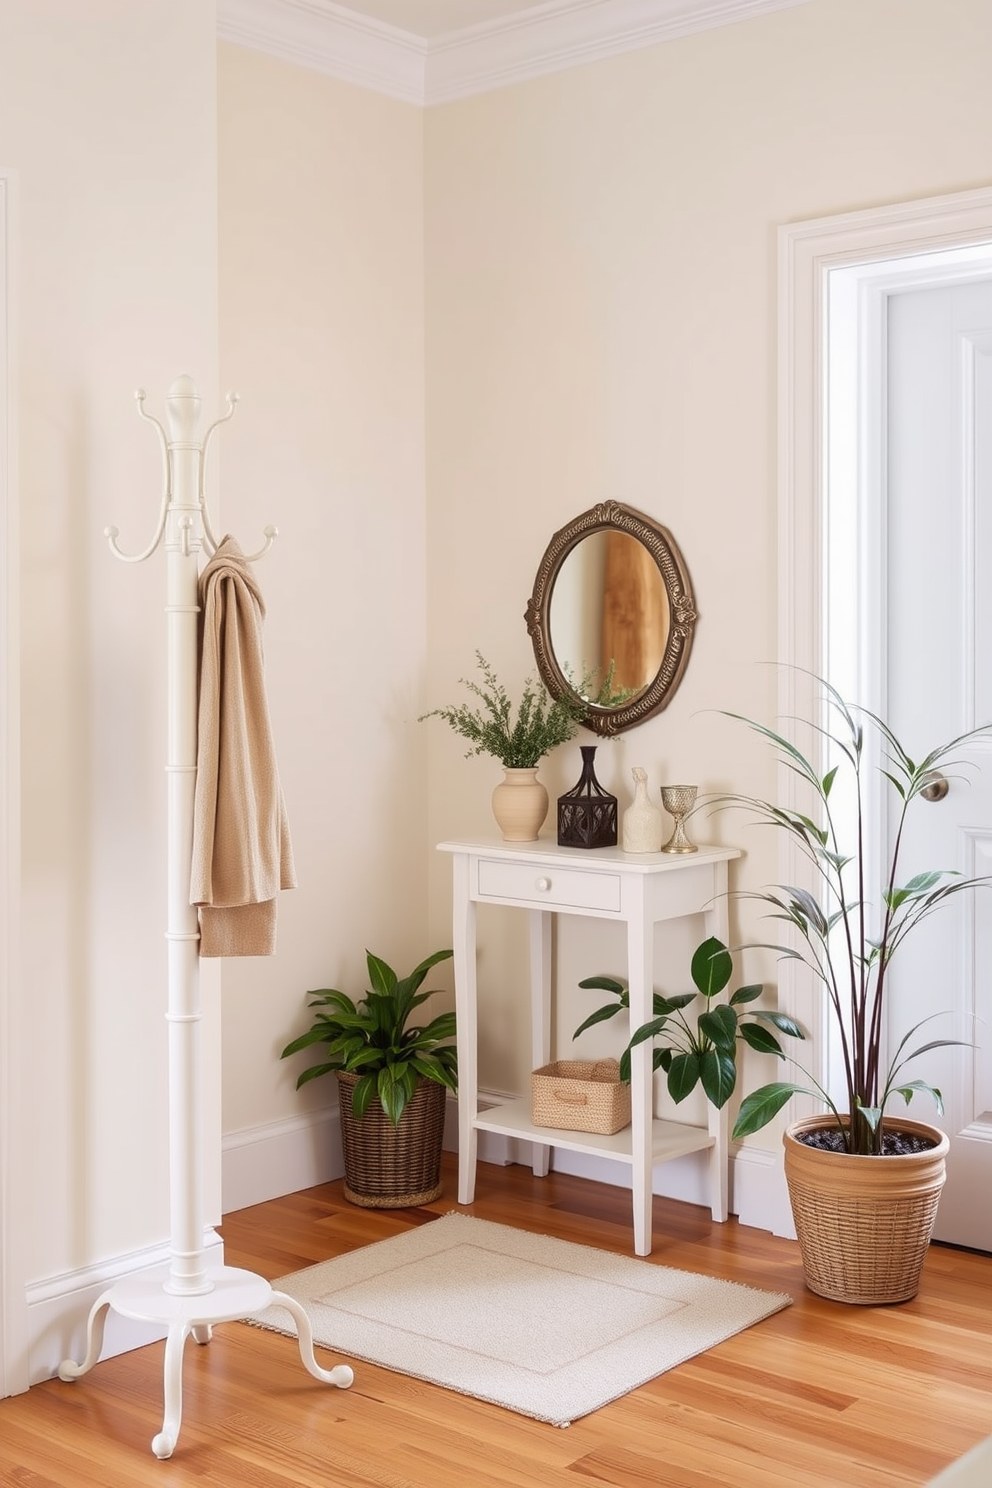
<point x="717" y="922"/>
<point x="466" y="1019"/>
<point x="719" y="1124"/>
<point x="540" y="1003"/>
<point x="640" y="958"/>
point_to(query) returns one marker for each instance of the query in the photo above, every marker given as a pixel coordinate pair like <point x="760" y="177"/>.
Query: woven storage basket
<point x="387" y="1166"/>
<point x="580" y="1095"/>
<point x="864" y="1223"/>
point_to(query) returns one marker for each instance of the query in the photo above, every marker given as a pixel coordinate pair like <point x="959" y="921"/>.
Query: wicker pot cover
<point x="392" y="1167"/>
<point x="864" y="1223"/>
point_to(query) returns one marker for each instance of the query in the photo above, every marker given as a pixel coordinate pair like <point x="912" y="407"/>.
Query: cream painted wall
<point x="601" y="322"/>
<point x="322" y="325"/>
<point x="554" y="293"/>
<point x="107" y="116"/>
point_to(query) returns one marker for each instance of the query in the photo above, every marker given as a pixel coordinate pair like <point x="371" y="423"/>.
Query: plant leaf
<point x="719" y="1025"/>
<point x="756" y="1036"/>
<point x="604" y="984"/>
<point x="746" y="994"/>
<point x="362" y="1094"/>
<point x="647" y="1031"/>
<point x="314" y="1071"/>
<point x="718" y="1073"/>
<point x="381" y="975"/>
<point x="683" y="1076"/>
<point x="712" y="967"/>
<point x="909" y="1090"/>
<point x="782" y="1022"/>
<point x="763" y="1105"/>
<point x="599" y="1016"/>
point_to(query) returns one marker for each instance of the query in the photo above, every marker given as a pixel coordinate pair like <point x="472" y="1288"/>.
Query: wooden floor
<point x="817" y="1396"/>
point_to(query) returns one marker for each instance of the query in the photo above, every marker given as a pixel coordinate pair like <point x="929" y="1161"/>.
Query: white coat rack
<point x="187" y="1296"/>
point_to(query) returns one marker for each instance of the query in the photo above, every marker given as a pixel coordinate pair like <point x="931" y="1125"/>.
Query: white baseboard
<point x="265" y="1162"/>
<point x="761" y="1197"/>
<point x="283" y="1157"/>
<point x="758" y="1195"/>
<point x="58" y="1308"/>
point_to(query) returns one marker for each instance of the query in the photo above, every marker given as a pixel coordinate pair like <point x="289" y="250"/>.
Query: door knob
<point x="936" y="787"/>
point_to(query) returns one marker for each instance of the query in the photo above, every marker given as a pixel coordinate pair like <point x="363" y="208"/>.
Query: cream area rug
<point x="541" y="1326"/>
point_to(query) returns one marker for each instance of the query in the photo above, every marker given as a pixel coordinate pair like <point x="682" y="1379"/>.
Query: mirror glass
<point x="611" y="615"/>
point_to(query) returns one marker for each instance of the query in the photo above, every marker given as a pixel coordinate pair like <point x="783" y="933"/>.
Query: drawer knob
<point x="543" y="884"/>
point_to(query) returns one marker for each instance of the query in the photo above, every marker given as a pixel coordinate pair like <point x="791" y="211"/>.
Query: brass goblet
<point x="678" y="801"/>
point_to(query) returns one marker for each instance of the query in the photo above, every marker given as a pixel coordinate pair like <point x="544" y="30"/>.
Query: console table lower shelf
<point x="669" y="1139"/>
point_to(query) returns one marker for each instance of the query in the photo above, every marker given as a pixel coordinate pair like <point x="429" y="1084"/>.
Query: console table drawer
<point x="559" y="888"/>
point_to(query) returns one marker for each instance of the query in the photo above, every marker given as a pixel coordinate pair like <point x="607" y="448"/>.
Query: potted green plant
<point x="841" y="1163"/>
<point x="701" y="1049"/>
<point x="392" y="1076"/>
<point x="519" y="738"/>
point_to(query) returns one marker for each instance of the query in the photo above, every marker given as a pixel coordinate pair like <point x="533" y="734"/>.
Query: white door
<point x="936" y="537"/>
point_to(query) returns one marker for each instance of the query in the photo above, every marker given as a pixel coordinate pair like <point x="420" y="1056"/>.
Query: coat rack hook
<point x="112" y="533"/>
<point x="270" y="533"/>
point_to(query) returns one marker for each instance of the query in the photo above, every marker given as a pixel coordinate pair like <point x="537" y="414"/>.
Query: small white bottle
<point x="642" y="822"/>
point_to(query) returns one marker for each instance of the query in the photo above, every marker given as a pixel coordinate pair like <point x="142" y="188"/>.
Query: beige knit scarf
<point x="242" y="854"/>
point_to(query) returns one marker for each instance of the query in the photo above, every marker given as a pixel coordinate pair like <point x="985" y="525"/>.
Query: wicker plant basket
<point x="392" y="1167"/>
<point x="864" y="1223"/>
<point x="580" y="1095"/>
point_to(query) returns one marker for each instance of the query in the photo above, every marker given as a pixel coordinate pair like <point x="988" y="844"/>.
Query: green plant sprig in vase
<point x="519" y="738"/>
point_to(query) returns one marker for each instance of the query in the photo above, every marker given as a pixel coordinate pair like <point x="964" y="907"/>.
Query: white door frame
<point x="808" y="251"/>
<point x="13" y="1352"/>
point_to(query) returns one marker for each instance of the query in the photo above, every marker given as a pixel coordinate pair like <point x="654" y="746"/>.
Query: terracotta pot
<point x="520" y="805"/>
<point x="864" y="1223"/>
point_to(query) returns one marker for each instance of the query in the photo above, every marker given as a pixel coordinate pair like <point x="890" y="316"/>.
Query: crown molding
<point x="545" y="38"/>
<point x="331" y="39"/>
<point x="569" y="33"/>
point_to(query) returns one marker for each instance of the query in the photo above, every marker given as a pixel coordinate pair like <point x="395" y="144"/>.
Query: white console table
<point x="604" y="883"/>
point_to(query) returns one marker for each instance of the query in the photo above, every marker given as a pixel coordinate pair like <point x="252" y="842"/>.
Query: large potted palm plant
<point x="864" y="1181"/>
<point x="392" y="1076"/>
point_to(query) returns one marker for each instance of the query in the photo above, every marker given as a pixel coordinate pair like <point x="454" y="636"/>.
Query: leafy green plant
<point x="846" y="941"/>
<point x="519" y="742"/>
<point x="703" y="1052"/>
<point x="374" y="1039"/>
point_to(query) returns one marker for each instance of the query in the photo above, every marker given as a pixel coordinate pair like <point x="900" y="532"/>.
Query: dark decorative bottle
<point x="587" y="815"/>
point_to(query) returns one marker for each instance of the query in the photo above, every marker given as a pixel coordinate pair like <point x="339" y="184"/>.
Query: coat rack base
<point x="234" y="1294"/>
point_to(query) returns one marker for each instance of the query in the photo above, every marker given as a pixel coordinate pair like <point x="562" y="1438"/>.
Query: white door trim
<point x="807" y="253"/>
<point x="13" y="1354"/>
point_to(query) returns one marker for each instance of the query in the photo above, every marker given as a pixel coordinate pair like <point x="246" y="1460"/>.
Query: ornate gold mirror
<point x="612" y="615"/>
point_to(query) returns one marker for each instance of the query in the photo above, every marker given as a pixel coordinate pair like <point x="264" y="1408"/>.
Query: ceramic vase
<point x="520" y="805"/>
<point x="642" y="822"/>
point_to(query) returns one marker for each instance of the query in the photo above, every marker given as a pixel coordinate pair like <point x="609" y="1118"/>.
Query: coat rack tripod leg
<point x="186" y="1297"/>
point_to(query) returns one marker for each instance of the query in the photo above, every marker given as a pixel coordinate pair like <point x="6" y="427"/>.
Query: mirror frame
<point x="614" y="516"/>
